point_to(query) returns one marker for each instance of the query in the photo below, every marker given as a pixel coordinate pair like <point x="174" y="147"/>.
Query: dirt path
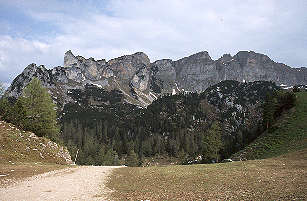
<point x="81" y="183"/>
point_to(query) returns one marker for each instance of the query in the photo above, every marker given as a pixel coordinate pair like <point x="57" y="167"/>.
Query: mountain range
<point x="141" y="82"/>
<point x="161" y="108"/>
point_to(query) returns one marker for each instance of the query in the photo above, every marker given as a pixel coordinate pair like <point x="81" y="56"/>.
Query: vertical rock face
<point x="199" y="71"/>
<point x="125" y="67"/>
<point x="196" y="72"/>
<point x="141" y="81"/>
<point x="81" y="69"/>
<point x="163" y="76"/>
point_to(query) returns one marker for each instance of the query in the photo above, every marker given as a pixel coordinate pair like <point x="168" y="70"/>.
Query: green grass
<point x="282" y="178"/>
<point x="289" y="134"/>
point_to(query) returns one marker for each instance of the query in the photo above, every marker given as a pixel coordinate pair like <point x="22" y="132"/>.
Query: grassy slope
<point x="22" y="154"/>
<point x="281" y="178"/>
<point x="290" y="134"/>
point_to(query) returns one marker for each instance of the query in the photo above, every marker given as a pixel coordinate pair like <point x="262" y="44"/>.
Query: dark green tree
<point x="132" y="159"/>
<point x="213" y="142"/>
<point x="5" y="107"/>
<point x="110" y="158"/>
<point x="296" y="89"/>
<point x="18" y="113"/>
<point x="182" y="156"/>
<point x="269" y="109"/>
<point x="40" y="110"/>
<point x="4" y="104"/>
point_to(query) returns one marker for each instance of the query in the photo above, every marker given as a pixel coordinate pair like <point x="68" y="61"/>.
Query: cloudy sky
<point x="37" y="31"/>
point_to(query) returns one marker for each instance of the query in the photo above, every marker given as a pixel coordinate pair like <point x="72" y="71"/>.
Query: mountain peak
<point x="203" y="55"/>
<point x="69" y="59"/>
<point x="142" y="56"/>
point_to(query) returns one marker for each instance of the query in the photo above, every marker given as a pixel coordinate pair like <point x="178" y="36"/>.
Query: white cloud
<point x="161" y="29"/>
<point x="17" y="53"/>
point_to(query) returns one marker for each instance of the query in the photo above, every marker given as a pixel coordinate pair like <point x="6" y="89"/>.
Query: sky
<point x="36" y="31"/>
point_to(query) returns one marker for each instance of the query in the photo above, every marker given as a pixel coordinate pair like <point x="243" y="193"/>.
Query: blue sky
<point x="37" y="31"/>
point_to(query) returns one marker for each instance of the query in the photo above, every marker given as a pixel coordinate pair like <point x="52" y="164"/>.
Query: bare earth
<point x="81" y="183"/>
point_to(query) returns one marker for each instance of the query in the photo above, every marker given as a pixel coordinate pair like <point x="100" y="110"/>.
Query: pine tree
<point x="268" y="111"/>
<point x="4" y="107"/>
<point x="40" y="110"/>
<point x="182" y="156"/>
<point x="3" y="102"/>
<point x="110" y="158"/>
<point x="213" y="142"/>
<point x="17" y="114"/>
<point x="132" y="159"/>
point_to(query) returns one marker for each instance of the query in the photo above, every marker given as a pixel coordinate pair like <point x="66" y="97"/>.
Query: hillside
<point x="20" y="146"/>
<point x="288" y="134"/>
<point x="97" y="122"/>
<point x="23" y="154"/>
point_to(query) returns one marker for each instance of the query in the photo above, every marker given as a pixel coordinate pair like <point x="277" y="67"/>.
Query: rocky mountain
<point x="141" y="81"/>
<point x="165" y="108"/>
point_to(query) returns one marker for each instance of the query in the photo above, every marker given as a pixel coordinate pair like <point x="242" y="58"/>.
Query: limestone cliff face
<point x="129" y="74"/>
<point x="163" y="76"/>
<point x="141" y="81"/>
<point x="199" y="71"/>
<point x="196" y="72"/>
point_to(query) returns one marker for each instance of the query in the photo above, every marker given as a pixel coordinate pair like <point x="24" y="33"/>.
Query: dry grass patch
<point x="23" y="154"/>
<point x="282" y="178"/>
<point x="19" y="146"/>
<point x="12" y="173"/>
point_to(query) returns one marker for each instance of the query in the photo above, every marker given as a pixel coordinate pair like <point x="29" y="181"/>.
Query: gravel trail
<point x="81" y="183"/>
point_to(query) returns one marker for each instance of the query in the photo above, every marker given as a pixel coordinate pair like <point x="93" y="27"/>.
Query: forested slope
<point x="288" y="134"/>
<point x="104" y="129"/>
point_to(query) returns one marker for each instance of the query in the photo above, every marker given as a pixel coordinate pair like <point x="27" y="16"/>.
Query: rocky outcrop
<point x="129" y="74"/>
<point x="141" y="82"/>
<point x="163" y="76"/>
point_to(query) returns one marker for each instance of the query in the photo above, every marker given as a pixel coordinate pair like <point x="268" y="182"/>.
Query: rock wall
<point x="142" y="81"/>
